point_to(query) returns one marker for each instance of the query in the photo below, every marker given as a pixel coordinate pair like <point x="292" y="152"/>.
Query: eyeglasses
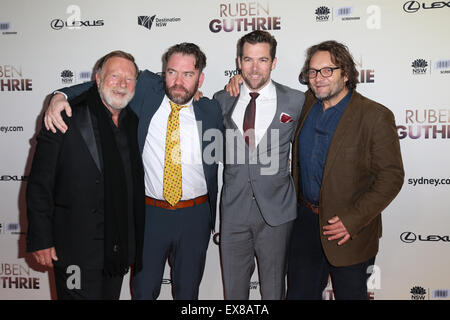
<point x="326" y="72"/>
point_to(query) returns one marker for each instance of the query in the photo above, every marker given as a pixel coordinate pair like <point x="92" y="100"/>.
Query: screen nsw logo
<point x="5" y="28"/>
<point x="10" y="228"/>
<point x="436" y="68"/>
<point x="72" y="77"/>
<point x="244" y="17"/>
<point x="418" y="293"/>
<point x="442" y="66"/>
<point x="371" y="15"/>
<point x="346" y="14"/>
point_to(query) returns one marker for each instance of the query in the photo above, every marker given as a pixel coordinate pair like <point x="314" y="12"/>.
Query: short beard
<point x="258" y="86"/>
<point x="330" y="95"/>
<point x="327" y="97"/>
<point x="180" y="99"/>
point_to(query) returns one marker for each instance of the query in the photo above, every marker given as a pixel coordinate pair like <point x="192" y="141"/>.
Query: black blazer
<point x="65" y="194"/>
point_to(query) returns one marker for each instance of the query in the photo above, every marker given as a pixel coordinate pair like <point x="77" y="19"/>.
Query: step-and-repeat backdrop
<point x="402" y="52"/>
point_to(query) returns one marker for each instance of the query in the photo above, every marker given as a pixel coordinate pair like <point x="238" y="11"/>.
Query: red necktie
<point x="249" y="120"/>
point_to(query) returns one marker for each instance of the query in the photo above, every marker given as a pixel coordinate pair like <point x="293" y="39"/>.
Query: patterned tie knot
<point x="254" y="95"/>
<point x="176" y="107"/>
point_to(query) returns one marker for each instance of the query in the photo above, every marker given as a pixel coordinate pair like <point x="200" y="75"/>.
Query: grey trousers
<point x="243" y="241"/>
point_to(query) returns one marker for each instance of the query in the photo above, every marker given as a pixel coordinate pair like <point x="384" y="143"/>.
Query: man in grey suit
<point x="258" y="196"/>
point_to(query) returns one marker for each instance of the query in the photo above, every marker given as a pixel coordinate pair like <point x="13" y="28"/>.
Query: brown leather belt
<point x="179" y="205"/>
<point x="308" y="205"/>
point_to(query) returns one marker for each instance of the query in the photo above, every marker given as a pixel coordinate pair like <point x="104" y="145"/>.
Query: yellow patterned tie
<point x="172" y="160"/>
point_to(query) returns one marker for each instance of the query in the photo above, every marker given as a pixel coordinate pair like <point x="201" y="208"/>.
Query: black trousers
<point x="80" y="284"/>
<point x="308" y="267"/>
<point x="182" y="237"/>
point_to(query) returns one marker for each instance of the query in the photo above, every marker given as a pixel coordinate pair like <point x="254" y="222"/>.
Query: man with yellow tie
<point x="180" y="175"/>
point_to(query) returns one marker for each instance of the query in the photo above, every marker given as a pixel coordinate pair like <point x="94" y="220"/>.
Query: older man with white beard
<point x="85" y="195"/>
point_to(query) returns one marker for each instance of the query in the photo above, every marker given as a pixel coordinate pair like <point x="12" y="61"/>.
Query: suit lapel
<point x="228" y="118"/>
<point x="232" y="102"/>
<point x="339" y="135"/>
<point x="202" y="122"/>
<point x="274" y="124"/>
<point x="304" y="114"/>
<point x="84" y="123"/>
<point x="155" y="96"/>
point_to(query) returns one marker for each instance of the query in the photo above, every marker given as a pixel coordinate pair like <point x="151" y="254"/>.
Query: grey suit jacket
<point x="262" y="174"/>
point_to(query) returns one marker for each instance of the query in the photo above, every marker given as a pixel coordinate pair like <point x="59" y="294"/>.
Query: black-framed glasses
<point x="325" y="72"/>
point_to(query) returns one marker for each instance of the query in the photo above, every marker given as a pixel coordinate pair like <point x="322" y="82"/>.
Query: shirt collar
<point x="343" y="103"/>
<point x="188" y="104"/>
<point x="122" y="114"/>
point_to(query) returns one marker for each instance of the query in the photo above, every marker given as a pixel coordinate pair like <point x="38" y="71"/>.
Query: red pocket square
<point x="285" y="118"/>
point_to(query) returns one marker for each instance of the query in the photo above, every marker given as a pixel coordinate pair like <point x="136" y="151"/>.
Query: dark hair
<point x="186" y="48"/>
<point x="341" y="57"/>
<point x="117" y="53"/>
<point x="258" y="36"/>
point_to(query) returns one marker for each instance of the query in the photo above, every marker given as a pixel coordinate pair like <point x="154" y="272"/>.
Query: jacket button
<point x="94" y="210"/>
<point x="116" y="248"/>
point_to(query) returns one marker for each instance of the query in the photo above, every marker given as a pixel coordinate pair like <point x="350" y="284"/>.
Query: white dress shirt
<point x="192" y="175"/>
<point x="266" y="108"/>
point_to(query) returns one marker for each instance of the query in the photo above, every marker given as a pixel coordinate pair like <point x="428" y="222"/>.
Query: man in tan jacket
<point x="347" y="168"/>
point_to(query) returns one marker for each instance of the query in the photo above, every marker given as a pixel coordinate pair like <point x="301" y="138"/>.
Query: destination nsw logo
<point x="244" y="17"/>
<point x="153" y="21"/>
<point x="425" y="124"/>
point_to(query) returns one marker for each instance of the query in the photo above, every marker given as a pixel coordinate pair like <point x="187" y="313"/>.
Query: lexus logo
<point x="13" y="178"/>
<point x="408" y="237"/>
<point x="57" y="24"/>
<point x="414" y="6"/>
<point x="411" y="6"/>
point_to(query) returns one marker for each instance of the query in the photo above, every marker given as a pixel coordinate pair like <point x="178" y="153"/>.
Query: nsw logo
<point x="418" y="293"/>
<point x="322" y="14"/>
<point x="419" y="66"/>
<point x="67" y="77"/>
